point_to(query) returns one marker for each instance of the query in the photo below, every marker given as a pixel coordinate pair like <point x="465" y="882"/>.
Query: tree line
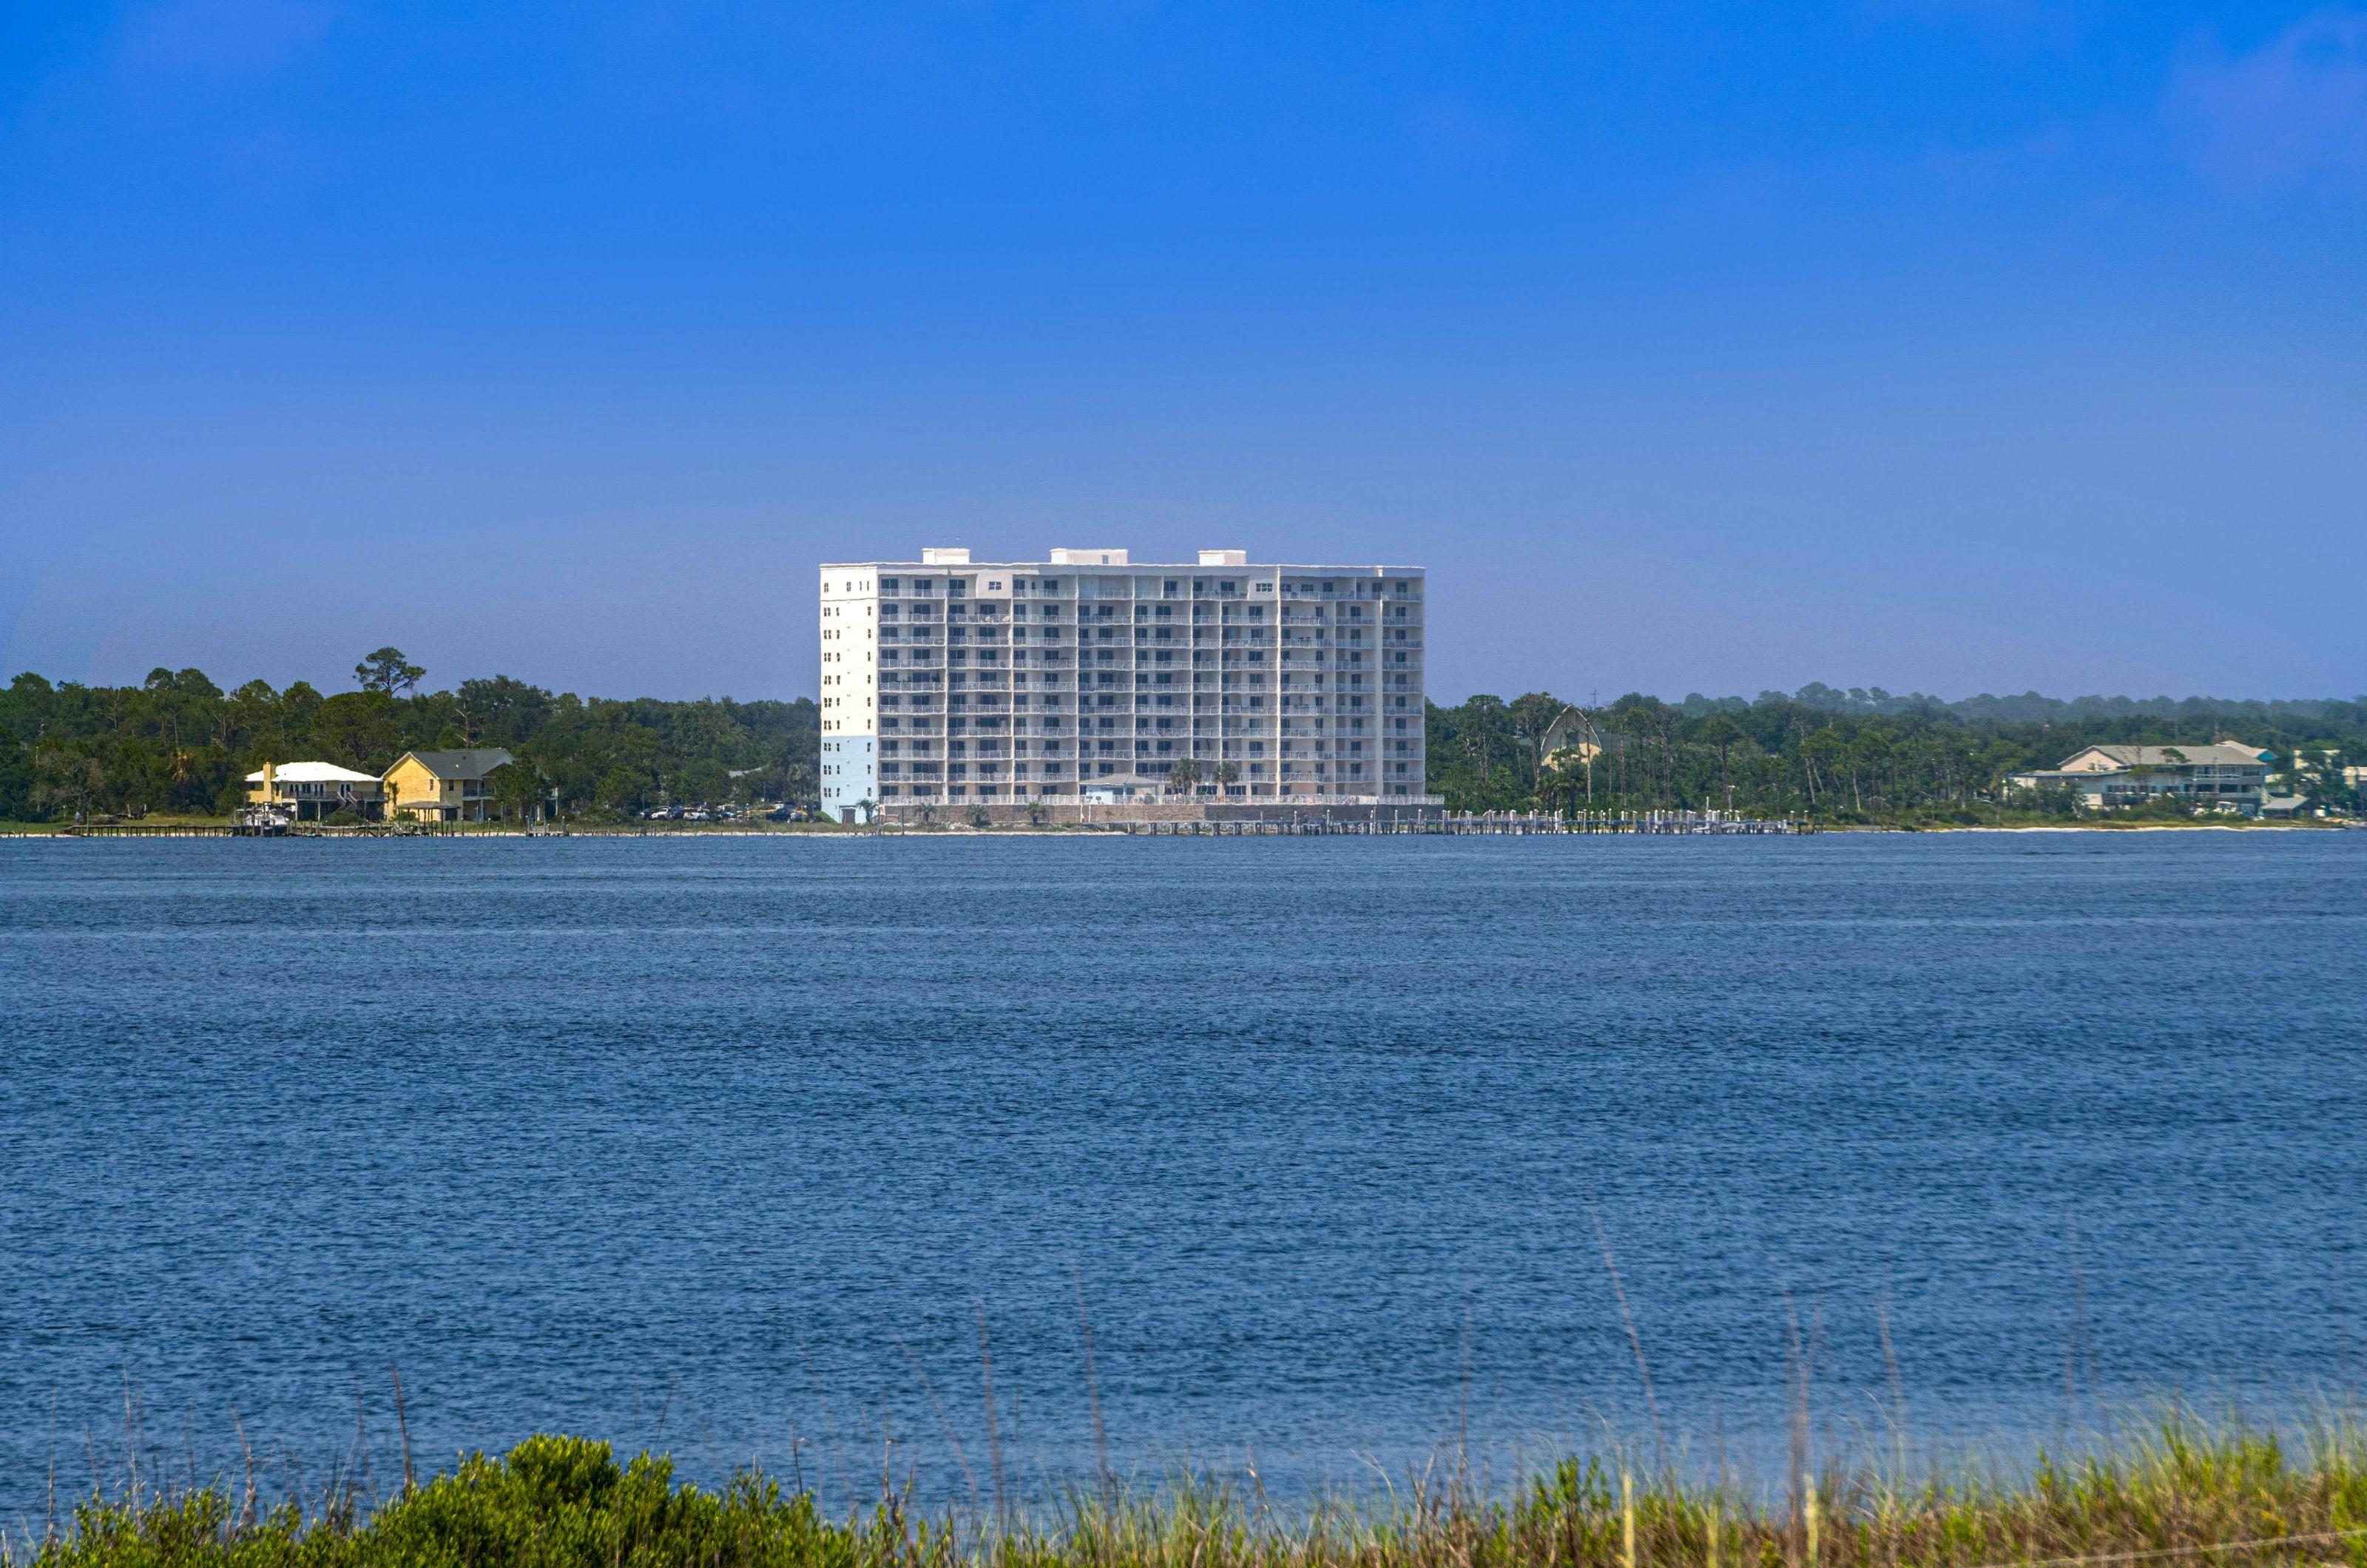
<point x="1855" y="756"/>
<point x="177" y="742"/>
<point x="180" y="744"/>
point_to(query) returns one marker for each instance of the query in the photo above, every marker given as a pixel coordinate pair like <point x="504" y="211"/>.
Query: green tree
<point x="388" y="672"/>
<point x="500" y="711"/>
<point x="1721" y="733"/>
<point x="359" y="729"/>
<point x="1183" y="778"/>
<point x="518" y="787"/>
<point x="1821" y="753"/>
<point x="1532" y="715"/>
<point x="300" y="705"/>
<point x="66" y="782"/>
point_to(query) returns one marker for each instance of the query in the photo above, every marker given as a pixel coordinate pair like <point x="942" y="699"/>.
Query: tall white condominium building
<point x="951" y="681"/>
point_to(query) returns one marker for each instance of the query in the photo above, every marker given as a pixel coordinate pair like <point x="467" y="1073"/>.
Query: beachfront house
<point x="2222" y="776"/>
<point x="444" y="786"/>
<point x="306" y="792"/>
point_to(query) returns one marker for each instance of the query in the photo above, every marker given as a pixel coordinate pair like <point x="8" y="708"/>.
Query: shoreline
<point x="153" y="831"/>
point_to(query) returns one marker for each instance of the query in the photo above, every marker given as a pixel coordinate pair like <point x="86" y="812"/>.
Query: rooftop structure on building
<point x="1092" y="677"/>
<point x="309" y="773"/>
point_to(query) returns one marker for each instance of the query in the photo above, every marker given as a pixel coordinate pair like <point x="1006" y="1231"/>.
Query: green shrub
<point x="2180" y="1495"/>
<point x="552" y="1502"/>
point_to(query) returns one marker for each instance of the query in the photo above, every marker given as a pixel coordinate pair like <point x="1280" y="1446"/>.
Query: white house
<point x="309" y="791"/>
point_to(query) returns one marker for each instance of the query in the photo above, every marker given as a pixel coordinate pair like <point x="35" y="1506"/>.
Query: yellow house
<point x="443" y="787"/>
<point x="309" y="791"/>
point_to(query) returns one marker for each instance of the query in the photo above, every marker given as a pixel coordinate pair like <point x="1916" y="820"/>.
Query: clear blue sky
<point x="1946" y="345"/>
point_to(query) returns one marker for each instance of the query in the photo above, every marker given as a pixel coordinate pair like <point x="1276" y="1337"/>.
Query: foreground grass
<point x="2182" y="1494"/>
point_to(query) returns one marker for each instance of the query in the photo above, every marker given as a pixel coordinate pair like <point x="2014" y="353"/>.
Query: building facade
<point x="2221" y="776"/>
<point x="444" y="786"/>
<point x="947" y="681"/>
<point x="307" y="791"/>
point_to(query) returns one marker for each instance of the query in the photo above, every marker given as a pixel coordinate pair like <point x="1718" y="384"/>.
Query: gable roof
<point x="312" y="772"/>
<point x="2220" y="753"/>
<point x="472" y="763"/>
<point x="1569" y="728"/>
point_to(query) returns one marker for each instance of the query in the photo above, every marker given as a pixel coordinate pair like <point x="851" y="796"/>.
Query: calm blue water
<point x="730" y="1144"/>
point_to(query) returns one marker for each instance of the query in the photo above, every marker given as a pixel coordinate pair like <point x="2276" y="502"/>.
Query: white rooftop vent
<point x="944" y="554"/>
<point x="1088" y="558"/>
<point x="1224" y="557"/>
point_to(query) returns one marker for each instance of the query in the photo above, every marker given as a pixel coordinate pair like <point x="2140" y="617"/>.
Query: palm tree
<point x="1185" y="776"/>
<point x="1226" y="773"/>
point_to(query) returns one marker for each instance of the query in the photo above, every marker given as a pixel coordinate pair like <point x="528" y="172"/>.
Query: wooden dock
<point x="1317" y="824"/>
<point x="148" y="830"/>
<point x="1486" y="824"/>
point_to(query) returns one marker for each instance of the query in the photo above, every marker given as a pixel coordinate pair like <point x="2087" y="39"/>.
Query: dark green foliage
<point x="551" y="1503"/>
<point x="1852" y="757"/>
<point x="2177" y="1492"/>
<point x="388" y="672"/>
<point x="178" y="743"/>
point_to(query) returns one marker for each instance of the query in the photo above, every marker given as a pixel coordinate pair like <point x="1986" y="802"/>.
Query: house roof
<point x="473" y="762"/>
<point x="2222" y="753"/>
<point x="1569" y="728"/>
<point x="312" y="772"/>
